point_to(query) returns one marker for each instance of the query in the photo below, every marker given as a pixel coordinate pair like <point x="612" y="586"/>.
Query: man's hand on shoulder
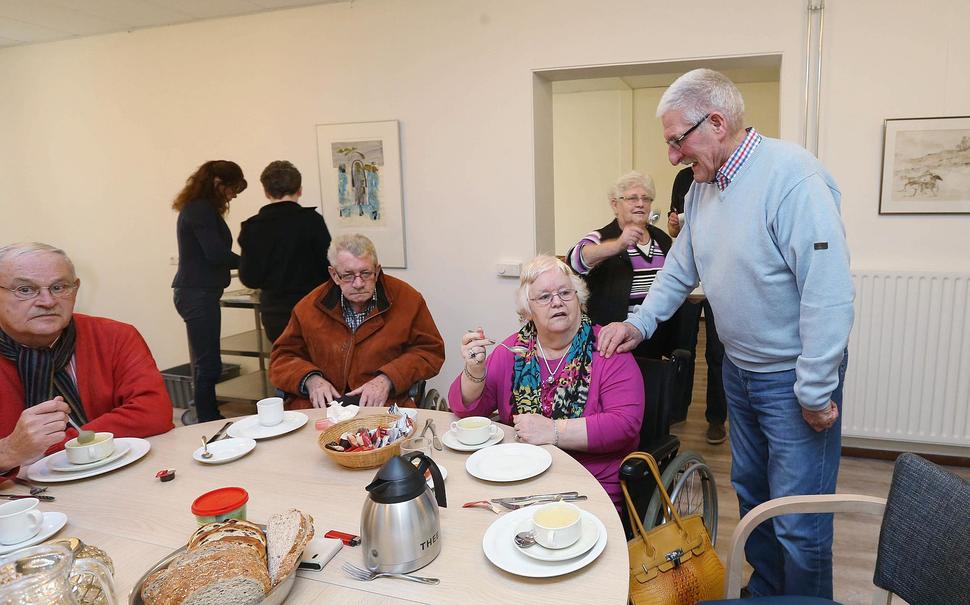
<point x="320" y="391"/>
<point x="618" y="337"/>
<point x="822" y="420"/>
<point x="375" y="391"/>
<point x="38" y="428"/>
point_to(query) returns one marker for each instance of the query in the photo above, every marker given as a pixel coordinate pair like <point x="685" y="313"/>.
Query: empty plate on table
<point x="53" y="522"/>
<point x="250" y="427"/>
<point x="589" y="537"/>
<point x="226" y="450"/>
<point x="427" y="474"/>
<point x="451" y="440"/>
<point x="40" y="471"/>
<point x="59" y="462"/>
<point x="500" y="548"/>
<point x="508" y="462"/>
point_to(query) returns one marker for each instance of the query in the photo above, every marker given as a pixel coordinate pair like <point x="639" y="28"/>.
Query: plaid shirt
<point x="353" y="318"/>
<point x="729" y="170"/>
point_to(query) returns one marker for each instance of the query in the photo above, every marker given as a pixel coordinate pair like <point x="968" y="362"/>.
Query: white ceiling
<point x="34" y="21"/>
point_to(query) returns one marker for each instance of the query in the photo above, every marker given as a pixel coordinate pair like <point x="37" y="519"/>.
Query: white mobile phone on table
<point x="319" y="552"/>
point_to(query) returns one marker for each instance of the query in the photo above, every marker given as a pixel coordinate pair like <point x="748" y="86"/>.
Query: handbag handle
<point x="668" y="506"/>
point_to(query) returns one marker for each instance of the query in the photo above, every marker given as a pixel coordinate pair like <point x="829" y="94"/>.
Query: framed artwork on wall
<point x="360" y="184"/>
<point x="926" y="166"/>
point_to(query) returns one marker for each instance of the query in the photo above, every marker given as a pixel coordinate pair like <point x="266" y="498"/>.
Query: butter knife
<point x="534" y="496"/>
<point x="220" y="433"/>
<point x="541" y="500"/>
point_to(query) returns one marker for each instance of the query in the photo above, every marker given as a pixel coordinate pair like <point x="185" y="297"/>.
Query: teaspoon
<point x="84" y="436"/>
<point x="205" y="449"/>
<point x="515" y="349"/>
<point x="525" y="539"/>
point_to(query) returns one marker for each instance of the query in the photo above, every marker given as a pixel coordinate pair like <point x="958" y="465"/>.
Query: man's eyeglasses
<point x="545" y="299"/>
<point x="633" y="199"/>
<point x="29" y="292"/>
<point x="349" y="278"/>
<point x="675" y="143"/>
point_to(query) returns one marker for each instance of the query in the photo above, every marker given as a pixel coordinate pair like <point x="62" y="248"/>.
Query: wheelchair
<point x="685" y="475"/>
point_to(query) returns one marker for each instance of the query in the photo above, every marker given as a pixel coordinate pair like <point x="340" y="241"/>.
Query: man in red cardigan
<point x="55" y="363"/>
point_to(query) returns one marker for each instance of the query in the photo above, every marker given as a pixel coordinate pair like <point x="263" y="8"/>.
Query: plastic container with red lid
<point x="220" y="504"/>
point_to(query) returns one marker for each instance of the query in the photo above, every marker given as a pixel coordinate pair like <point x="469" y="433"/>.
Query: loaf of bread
<point x="287" y="534"/>
<point x="231" y="562"/>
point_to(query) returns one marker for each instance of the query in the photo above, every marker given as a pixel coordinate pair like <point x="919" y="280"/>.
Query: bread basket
<point x="368" y="459"/>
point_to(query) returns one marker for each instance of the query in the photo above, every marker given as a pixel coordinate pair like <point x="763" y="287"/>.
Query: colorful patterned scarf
<point x="567" y="397"/>
<point x="44" y="372"/>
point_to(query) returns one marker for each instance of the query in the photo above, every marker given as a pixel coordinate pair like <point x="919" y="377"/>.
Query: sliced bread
<point x="287" y="534"/>
<point x="232" y="530"/>
<point x="233" y="565"/>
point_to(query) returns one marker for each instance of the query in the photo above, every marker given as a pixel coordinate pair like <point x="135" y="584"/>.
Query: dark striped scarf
<point x="44" y="372"/>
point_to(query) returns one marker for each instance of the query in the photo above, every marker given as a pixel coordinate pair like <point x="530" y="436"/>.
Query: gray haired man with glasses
<point x="364" y="336"/>
<point x="763" y="232"/>
<point x="55" y="363"/>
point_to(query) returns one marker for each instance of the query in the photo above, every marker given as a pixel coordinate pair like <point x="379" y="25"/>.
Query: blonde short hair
<point x="356" y="244"/>
<point x="630" y="180"/>
<point x="22" y="248"/>
<point x="531" y="272"/>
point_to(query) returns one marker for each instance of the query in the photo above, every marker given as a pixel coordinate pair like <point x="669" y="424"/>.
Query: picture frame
<point x="926" y="166"/>
<point x="360" y="184"/>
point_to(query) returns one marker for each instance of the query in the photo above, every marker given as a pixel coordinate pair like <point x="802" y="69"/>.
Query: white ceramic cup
<point x="86" y="453"/>
<point x="557" y="525"/>
<point x="474" y="430"/>
<point x="270" y="411"/>
<point x="680" y="219"/>
<point x="20" y="520"/>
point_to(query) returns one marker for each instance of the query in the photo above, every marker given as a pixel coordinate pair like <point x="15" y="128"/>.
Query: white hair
<point x="11" y="251"/>
<point x="531" y="272"/>
<point x="700" y="92"/>
<point x="356" y="244"/>
<point x="630" y="180"/>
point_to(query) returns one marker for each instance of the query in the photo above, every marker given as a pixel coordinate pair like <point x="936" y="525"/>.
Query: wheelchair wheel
<point x="691" y="486"/>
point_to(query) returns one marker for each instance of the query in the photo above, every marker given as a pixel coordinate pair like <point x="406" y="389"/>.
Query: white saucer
<point x="137" y="448"/>
<point x="251" y="428"/>
<point x="226" y="450"/>
<point x="508" y="462"/>
<point x="501" y="550"/>
<point x="452" y="442"/>
<point x="591" y="533"/>
<point x="59" y="461"/>
<point x="53" y="522"/>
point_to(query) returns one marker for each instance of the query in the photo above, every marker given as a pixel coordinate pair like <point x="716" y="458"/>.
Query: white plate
<point x="137" y="448"/>
<point x="508" y="462"/>
<point x="59" y="462"/>
<point x="501" y="551"/>
<point x="226" y="450"/>
<point x="53" y="522"/>
<point x="591" y="533"/>
<point x="452" y="442"/>
<point x="251" y="428"/>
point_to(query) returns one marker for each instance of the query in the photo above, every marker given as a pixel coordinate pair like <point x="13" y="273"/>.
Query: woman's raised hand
<point x="473" y="350"/>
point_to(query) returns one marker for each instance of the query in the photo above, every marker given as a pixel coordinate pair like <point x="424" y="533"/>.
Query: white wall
<point x="99" y="133"/>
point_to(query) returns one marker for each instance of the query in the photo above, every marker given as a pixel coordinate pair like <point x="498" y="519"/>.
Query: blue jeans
<point x="776" y="453"/>
<point x="202" y="314"/>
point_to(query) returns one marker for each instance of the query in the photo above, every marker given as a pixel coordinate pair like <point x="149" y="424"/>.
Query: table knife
<point x="21" y="496"/>
<point x="219" y="434"/>
<point x="534" y="496"/>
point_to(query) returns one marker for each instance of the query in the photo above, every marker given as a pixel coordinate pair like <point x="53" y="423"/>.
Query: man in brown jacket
<point x="363" y="334"/>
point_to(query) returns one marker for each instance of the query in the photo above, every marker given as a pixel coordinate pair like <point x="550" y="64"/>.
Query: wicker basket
<point x="368" y="459"/>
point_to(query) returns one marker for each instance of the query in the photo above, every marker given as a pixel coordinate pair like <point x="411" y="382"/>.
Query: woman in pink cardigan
<point x="561" y="391"/>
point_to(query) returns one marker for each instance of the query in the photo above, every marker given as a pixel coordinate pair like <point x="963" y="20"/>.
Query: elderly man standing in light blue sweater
<point x="764" y="234"/>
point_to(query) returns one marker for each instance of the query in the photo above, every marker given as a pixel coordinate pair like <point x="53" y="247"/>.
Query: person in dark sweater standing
<point x="205" y="258"/>
<point x="284" y="247"/>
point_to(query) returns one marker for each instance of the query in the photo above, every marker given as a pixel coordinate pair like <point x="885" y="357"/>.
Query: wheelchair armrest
<point x="634" y="470"/>
<point x="828" y="503"/>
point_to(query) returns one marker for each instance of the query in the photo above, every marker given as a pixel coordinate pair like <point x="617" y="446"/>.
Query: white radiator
<point x="909" y="360"/>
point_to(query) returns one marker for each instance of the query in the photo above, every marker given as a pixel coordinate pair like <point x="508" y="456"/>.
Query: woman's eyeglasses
<point x="545" y="299"/>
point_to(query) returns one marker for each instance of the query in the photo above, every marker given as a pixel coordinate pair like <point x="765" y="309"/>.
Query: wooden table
<point x="138" y="519"/>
